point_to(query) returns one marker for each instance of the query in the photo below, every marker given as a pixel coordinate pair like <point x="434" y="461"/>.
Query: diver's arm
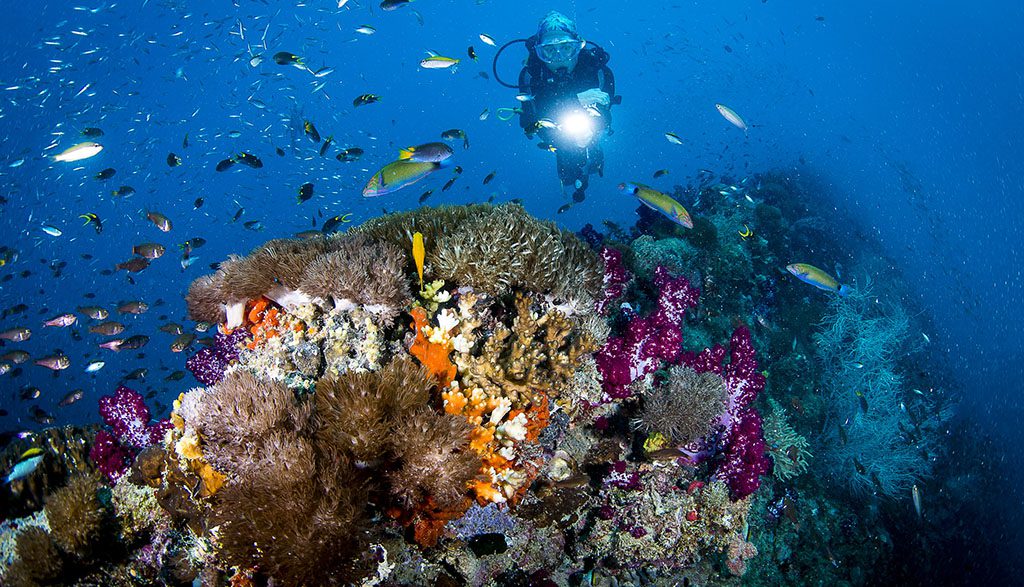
<point x="528" y="116"/>
<point x="606" y="82"/>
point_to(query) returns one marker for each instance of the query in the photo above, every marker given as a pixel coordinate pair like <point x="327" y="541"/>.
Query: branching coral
<point x="77" y="517"/>
<point x="685" y="408"/>
<point x="535" y="352"/>
<point x="789" y="450"/>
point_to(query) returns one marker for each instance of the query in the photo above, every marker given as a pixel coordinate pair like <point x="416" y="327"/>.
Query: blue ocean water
<point x="906" y="119"/>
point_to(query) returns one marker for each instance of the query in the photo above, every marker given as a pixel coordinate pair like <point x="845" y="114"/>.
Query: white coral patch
<point x="499" y="412"/>
<point x="235" y="314"/>
<point x="447" y="320"/>
<point x="514" y="428"/>
<point x="462" y="344"/>
<point x="288" y="299"/>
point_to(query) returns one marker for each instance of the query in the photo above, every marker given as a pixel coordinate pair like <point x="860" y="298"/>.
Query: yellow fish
<point x="659" y="202"/>
<point x="418" y="254"/>
<point x="32" y="452"/>
<point x="816" y="277"/>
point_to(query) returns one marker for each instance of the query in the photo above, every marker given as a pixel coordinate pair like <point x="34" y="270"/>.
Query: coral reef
<point x="789" y="450"/>
<point x="127" y="415"/>
<point x="495" y="249"/>
<point x="77" y="517"/>
<point x="38" y="560"/>
<point x="478" y="433"/>
<point x="686" y="408"/>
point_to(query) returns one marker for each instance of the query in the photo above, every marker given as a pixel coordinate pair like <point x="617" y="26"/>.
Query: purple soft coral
<point x="744" y="458"/>
<point x="209" y="364"/>
<point x="110" y="457"/>
<point x="128" y="417"/>
<point x="647" y="341"/>
<point x="615" y="278"/>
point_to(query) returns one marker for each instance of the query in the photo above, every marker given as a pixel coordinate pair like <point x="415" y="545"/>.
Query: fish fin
<point x="404" y="154"/>
<point x="843" y="290"/>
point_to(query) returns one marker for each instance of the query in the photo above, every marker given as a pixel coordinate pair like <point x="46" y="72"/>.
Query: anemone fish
<point x="816" y="277"/>
<point x="418" y="254"/>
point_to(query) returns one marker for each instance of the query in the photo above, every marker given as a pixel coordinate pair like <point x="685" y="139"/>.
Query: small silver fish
<point x="915" y="494"/>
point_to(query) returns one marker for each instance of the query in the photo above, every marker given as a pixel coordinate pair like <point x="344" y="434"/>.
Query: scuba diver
<point x="567" y="91"/>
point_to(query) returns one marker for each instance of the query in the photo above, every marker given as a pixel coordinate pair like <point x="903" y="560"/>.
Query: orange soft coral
<point x="264" y="322"/>
<point x="433" y="356"/>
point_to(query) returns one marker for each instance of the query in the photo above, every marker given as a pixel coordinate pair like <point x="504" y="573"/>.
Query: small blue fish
<point x="23" y="469"/>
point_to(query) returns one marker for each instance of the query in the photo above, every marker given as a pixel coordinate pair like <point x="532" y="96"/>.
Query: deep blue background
<point x="907" y="115"/>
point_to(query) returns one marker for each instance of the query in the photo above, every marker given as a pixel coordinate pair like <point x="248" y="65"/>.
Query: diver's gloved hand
<point x="594" y="97"/>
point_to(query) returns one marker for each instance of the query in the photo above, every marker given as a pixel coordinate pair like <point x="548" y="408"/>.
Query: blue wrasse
<point x="659" y="202"/>
<point x="23" y="469"/>
<point x="397" y="175"/>
<point x="816" y="277"/>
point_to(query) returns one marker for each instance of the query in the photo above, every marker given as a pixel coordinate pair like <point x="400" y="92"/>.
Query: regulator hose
<point x="494" y="63"/>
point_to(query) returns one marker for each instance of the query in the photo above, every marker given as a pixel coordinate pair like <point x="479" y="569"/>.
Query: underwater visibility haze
<point x="471" y="292"/>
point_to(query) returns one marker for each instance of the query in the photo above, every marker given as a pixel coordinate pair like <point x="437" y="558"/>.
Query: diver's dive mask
<point x="563" y="50"/>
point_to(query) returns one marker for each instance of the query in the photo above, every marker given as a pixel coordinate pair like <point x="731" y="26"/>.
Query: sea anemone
<point x="76" y="517"/>
<point x="233" y="416"/>
<point x="494" y="249"/>
<point x="357" y="271"/>
<point x="38" y="562"/>
<point x="299" y="523"/>
<point x="357" y="411"/>
<point x="435" y="459"/>
<point x="205" y="300"/>
<point x="685" y="408"/>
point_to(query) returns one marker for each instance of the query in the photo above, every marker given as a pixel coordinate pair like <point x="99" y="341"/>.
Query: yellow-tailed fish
<point x="659" y="202"/>
<point x="418" y="254"/>
<point x="397" y="175"/>
<point x="78" y="152"/>
<point x="426" y="153"/>
<point x="816" y="277"/>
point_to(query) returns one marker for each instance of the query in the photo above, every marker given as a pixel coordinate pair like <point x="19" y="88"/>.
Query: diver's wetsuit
<point x="555" y="93"/>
